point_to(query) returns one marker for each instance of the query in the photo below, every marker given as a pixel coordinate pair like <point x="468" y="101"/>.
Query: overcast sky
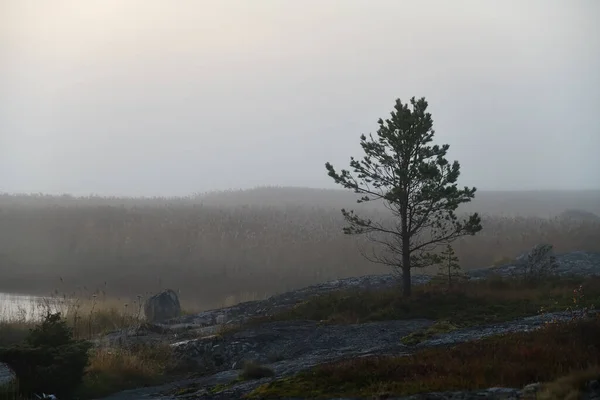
<point x="148" y="97"/>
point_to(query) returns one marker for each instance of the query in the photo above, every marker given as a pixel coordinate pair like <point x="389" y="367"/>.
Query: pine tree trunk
<point x="406" y="281"/>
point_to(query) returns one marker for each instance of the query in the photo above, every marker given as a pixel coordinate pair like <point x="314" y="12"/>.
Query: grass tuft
<point x="435" y="329"/>
<point x="571" y="386"/>
<point x="111" y="370"/>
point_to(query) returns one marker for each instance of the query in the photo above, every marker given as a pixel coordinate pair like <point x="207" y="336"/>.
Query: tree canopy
<point x="410" y="174"/>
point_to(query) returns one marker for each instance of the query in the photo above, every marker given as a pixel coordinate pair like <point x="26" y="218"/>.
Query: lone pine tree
<point x="417" y="185"/>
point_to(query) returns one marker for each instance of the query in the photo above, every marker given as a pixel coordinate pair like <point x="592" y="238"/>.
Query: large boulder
<point x="162" y="306"/>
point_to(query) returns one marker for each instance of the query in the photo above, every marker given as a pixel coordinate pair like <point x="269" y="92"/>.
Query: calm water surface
<point x="26" y="307"/>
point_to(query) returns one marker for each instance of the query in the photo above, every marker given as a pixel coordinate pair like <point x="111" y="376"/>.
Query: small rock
<point x="6" y="375"/>
<point x="532" y="388"/>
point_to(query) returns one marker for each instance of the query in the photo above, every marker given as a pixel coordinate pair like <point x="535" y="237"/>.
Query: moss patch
<point x="427" y="333"/>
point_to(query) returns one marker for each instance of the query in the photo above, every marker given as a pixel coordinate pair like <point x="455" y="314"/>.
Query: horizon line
<point x="233" y="190"/>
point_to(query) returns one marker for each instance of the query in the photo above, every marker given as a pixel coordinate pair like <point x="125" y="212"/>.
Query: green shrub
<point x="427" y="333"/>
<point x="49" y="360"/>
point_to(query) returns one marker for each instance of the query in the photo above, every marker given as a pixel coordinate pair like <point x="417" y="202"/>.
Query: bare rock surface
<point x="574" y="263"/>
<point x="289" y="347"/>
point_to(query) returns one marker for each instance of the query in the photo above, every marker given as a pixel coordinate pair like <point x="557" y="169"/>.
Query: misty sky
<point x="148" y="97"/>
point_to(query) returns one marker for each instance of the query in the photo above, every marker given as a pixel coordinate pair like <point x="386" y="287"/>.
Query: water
<point x="19" y="307"/>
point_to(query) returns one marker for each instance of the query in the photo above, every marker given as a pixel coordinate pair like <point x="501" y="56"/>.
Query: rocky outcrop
<point x="162" y="306"/>
<point x="288" y="347"/>
<point x="574" y="263"/>
<point x="210" y="322"/>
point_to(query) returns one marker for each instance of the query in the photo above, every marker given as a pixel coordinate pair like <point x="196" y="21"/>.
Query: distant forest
<point x="225" y="247"/>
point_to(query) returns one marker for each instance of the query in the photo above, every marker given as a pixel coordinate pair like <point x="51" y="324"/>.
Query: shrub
<point x="49" y="360"/>
<point x="52" y="332"/>
<point x="540" y="262"/>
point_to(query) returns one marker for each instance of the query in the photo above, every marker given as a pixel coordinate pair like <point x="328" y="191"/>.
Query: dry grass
<point x="112" y="370"/>
<point x="511" y="360"/>
<point x="571" y="386"/>
<point x="470" y="303"/>
<point x="222" y="254"/>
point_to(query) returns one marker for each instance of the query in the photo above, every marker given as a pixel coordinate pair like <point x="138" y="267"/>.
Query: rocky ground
<point x="288" y="347"/>
<point x="211" y="344"/>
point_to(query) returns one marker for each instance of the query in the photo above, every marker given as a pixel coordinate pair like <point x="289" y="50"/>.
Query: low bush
<point x="49" y="360"/>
